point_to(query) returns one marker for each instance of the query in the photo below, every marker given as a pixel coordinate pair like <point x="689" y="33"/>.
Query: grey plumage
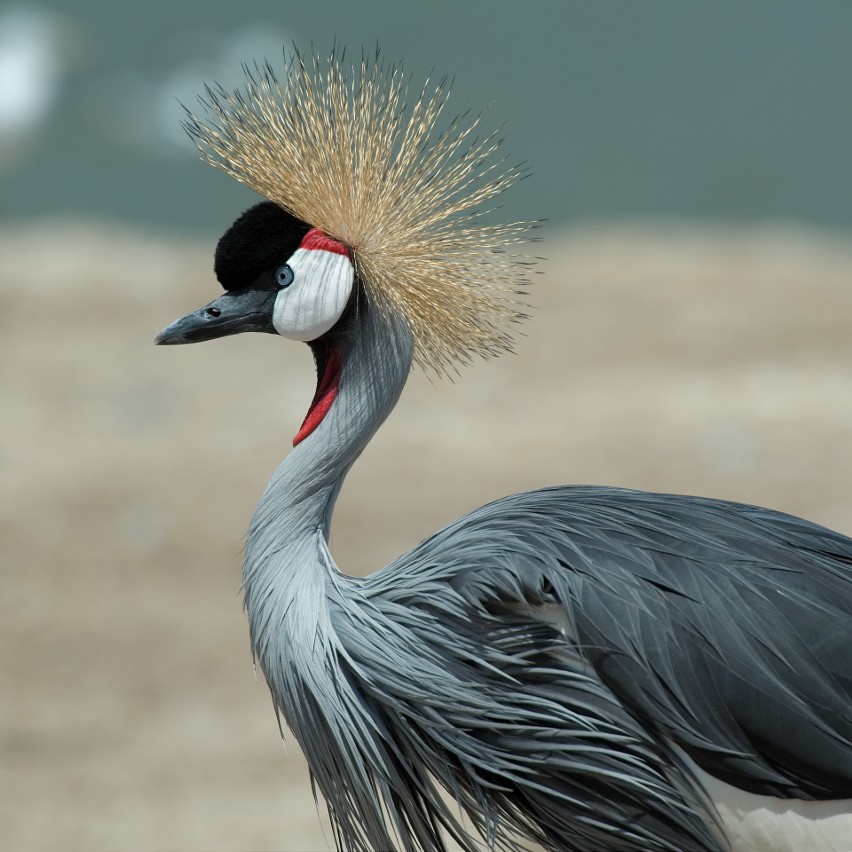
<point x="711" y="625"/>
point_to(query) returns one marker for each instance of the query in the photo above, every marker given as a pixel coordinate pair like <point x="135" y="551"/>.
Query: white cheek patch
<point x="314" y="302"/>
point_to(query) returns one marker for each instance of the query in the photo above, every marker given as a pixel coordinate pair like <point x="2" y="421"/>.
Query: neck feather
<point x="286" y="548"/>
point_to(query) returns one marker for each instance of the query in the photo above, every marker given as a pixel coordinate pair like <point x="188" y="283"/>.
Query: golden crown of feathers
<point x="348" y="151"/>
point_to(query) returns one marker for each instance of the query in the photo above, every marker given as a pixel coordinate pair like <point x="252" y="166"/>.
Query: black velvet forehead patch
<point x="261" y="239"/>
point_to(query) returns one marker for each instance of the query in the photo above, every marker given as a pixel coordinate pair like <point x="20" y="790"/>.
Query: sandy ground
<point x="703" y="361"/>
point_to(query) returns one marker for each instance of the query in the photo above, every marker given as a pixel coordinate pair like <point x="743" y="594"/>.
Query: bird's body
<point x="581" y="667"/>
<point x="523" y="644"/>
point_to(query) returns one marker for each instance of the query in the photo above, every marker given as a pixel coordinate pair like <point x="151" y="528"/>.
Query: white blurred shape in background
<point x="31" y="67"/>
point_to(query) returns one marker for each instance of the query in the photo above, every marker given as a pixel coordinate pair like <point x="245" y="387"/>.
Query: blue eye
<point x="283" y="276"/>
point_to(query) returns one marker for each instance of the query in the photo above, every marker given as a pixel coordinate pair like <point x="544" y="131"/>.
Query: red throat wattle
<point x="327" y="387"/>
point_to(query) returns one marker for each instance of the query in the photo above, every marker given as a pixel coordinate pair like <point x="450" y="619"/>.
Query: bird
<point x="578" y="667"/>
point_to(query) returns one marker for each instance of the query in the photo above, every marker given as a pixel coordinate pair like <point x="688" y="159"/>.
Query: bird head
<point x="367" y="201"/>
<point x="359" y="155"/>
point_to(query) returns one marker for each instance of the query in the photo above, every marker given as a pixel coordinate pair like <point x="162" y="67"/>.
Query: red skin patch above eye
<point x="317" y="239"/>
<point x="323" y="398"/>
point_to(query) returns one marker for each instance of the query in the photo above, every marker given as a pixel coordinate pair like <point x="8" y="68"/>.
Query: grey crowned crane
<point x="584" y="668"/>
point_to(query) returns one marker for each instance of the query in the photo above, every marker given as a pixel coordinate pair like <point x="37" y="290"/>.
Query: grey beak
<point x="235" y="312"/>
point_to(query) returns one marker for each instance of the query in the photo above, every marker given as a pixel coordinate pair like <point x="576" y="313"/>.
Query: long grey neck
<point x="286" y="549"/>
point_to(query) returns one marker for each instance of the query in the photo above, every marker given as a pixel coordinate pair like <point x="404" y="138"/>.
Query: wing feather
<point x="724" y="627"/>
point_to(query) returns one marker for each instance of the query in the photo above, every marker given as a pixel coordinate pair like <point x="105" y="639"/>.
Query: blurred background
<point x="691" y="334"/>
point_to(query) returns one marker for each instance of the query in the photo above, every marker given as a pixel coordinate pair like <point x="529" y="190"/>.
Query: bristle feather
<point x="347" y="151"/>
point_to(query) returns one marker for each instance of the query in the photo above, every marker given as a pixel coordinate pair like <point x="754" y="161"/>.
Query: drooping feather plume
<point x="348" y="150"/>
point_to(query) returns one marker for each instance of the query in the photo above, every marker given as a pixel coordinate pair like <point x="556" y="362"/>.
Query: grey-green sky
<point x="622" y="108"/>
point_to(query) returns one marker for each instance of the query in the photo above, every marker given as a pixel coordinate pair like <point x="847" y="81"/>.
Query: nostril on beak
<point x="213" y="312"/>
